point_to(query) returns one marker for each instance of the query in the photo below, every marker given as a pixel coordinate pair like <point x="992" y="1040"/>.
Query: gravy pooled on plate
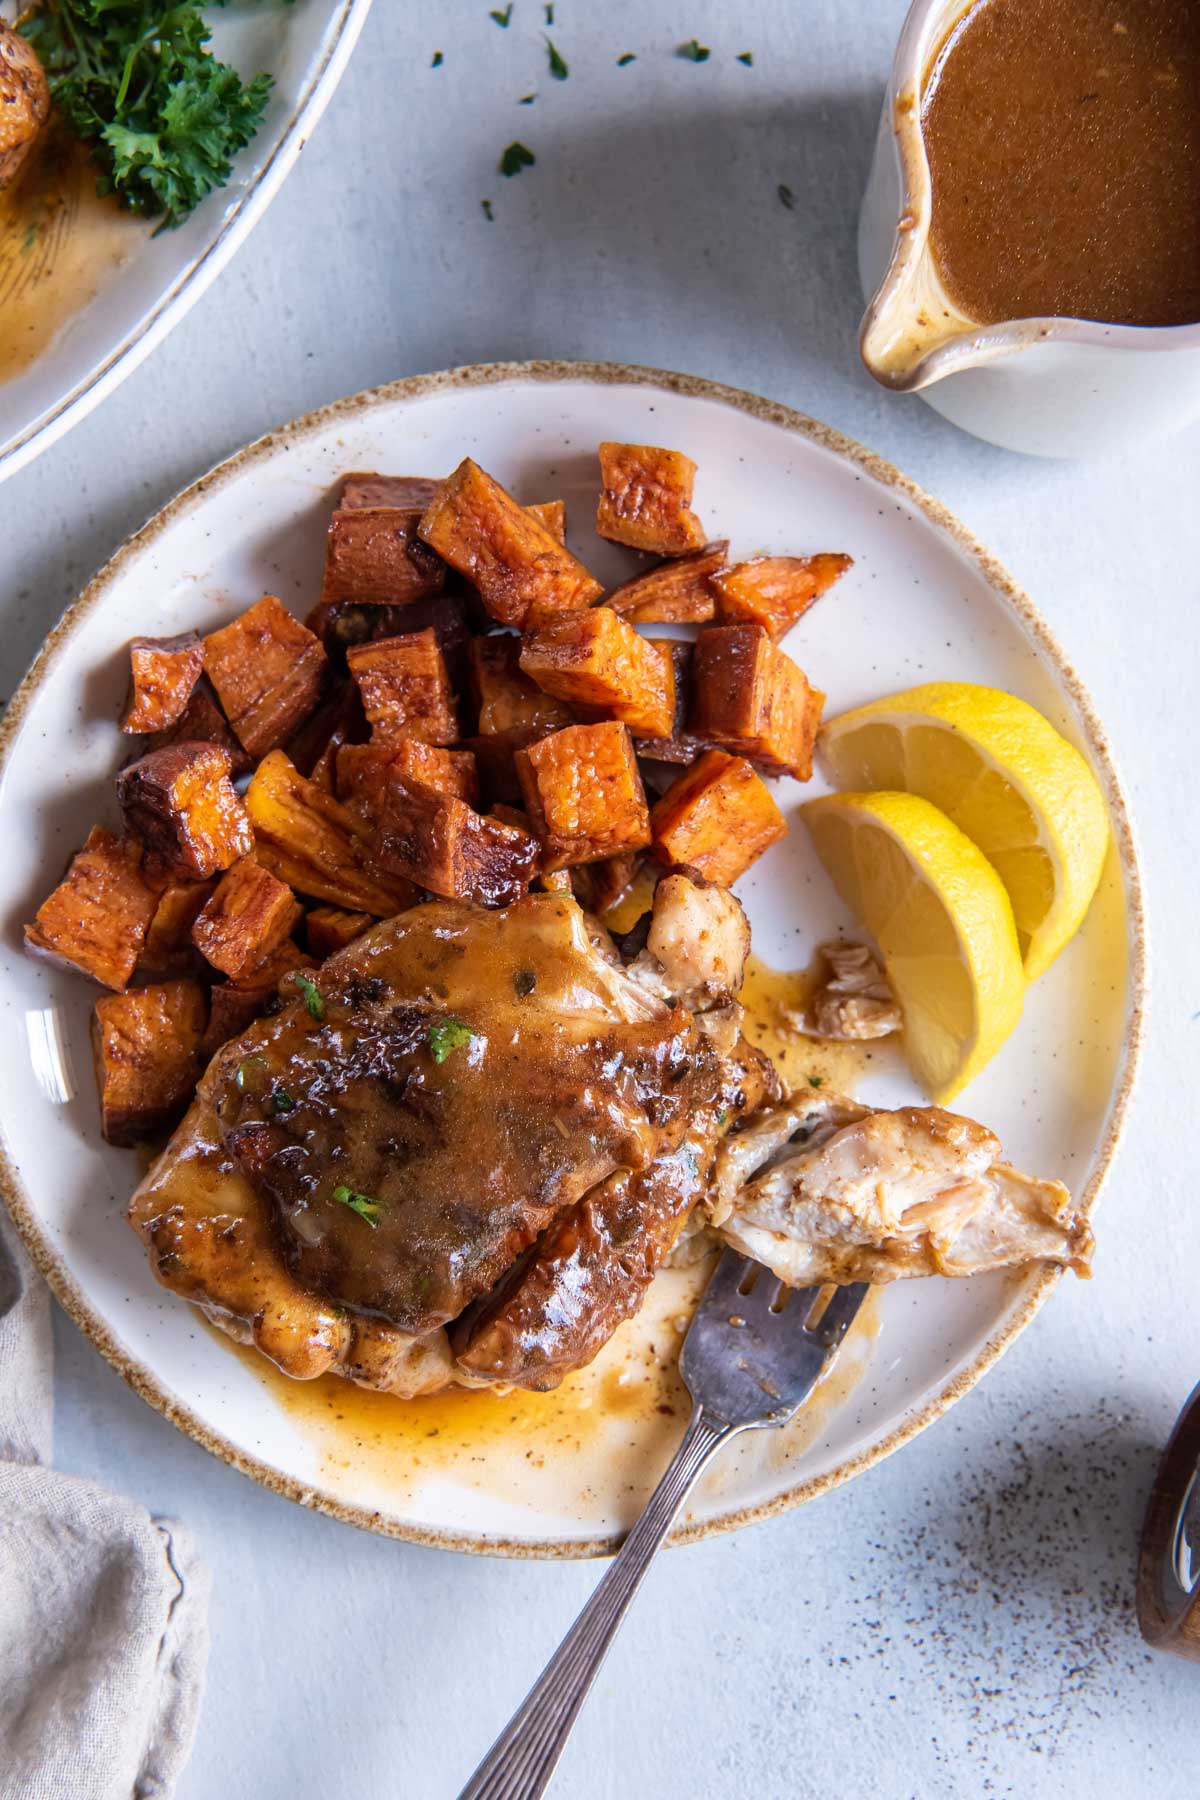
<point x="1063" y="139"/>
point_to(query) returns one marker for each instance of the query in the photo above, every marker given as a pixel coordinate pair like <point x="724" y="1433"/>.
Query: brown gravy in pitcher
<point x="1063" y="139"/>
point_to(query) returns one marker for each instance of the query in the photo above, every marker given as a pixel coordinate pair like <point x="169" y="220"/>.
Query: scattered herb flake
<point x="502" y="14"/>
<point x="693" y="51"/>
<point x="786" y="195"/>
<point x="438" y="60"/>
<point x="446" y="1036"/>
<point x="723" y="1115"/>
<point x="550" y="14"/>
<point x="247" y="1073"/>
<point x="367" y="1209"/>
<point x="487" y="210"/>
<point x="282" y="1101"/>
<point x="816" y="1081"/>
<point x="747" y="57"/>
<point x="627" y="58"/>
<point x="527" y="100"/>
<point x="518" y="156"/>
<point x="314" y="1000"/>
<point x="558" y="66"/>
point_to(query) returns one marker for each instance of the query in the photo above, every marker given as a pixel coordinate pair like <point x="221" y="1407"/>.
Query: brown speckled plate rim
<point x="145" y="1383"/>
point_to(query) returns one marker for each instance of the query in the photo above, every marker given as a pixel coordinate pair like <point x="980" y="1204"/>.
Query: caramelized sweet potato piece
<point x="405" y="688"/>
<point x="505" y="697"/>
<point x="364" y="771"/>
<point x="318" y="846"/>
<point x="343" y="624"/>
<point x="168" y="949"/>
<point x="249" y="915"/>
<point x="201" y="722"/>
<point x="181" y="803"/>
<point x="553" y="515"/>
<point x="446" y="846"/>
<point x="406" y="491"/>
<point x="749" y="697"/>
<point x="338" y="720"/>
<point x="598" y="886"/>
<point x="373" y="555"/>
<point x="773" y="591"/>
<point x="680" y="745"/>
<point x="718" y="818"/>
<point x="235" y="1004"/>
<point x="268" y="670"/>
<point x="330" y="928"/>
<point x="495" y="762"/>
<point x="584" y="794"/>
<point x="680" y="592"/>
<point x="518" y="566"/>
<point x="97" y="917"/>
<point x="647" y="499"/>
<point x="146" y="1048"/>
<point x="594" y="659"/>
<point x="162" y="674"/>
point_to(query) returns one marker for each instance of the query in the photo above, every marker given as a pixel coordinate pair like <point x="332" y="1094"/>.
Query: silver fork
<point x="752" y="1356"/>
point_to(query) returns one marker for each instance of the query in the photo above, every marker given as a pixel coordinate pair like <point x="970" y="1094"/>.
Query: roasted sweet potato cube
<point x="249" y="915"/>
<point x="680" y="745"/>
<point x="646" y="499"/>
<point x="318" y="846"/>
<point x="330" y="928"/>
<point x="405" y="689"/>
<point x="162" y="674"/>
<point x="595" y="659"/>
<point x="773" y="591"/>
<point x="553" y="515"/>
<point x="718" y="818"/>
<point x="584" y="794"/>
<point x="446" y="846"/>
<point x="168" y="949"/>
<point x="344" y="623"/>
<point x="409" y="492"/>
<point x="679" y="592"/>
<point x="495" y="762"/>
<point x="235" y="1004"/>
<point x="751" y="698"/>
<point x="338" y="720"/>
<point x="146" y="1048"/>
<point x="514" y="561"/>
<point x="364" y="770"/>
<point x="506" y="697"/>
<point x="268" y="670"/>
<point x="373" y="555"/>
<point x="97" y="917"/>
<point x="201" y="722"/>
<point x="182" y="805"/>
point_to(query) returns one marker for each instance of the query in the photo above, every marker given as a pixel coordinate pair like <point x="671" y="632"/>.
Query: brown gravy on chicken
<point x="1063" y="139"/>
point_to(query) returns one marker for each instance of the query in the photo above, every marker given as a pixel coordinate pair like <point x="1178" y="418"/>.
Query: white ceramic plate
<point x="551" y="1474"/>
<point x="305" y="48"/>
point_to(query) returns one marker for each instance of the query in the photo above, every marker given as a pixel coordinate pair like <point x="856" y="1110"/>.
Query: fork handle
<point x="520" y="1763"/>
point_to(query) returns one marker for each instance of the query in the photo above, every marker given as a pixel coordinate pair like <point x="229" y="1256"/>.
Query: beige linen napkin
<point x="103" y="1610"/>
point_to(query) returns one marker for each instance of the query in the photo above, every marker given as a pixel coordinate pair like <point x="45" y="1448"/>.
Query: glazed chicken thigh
<point x="472" y="1117"/>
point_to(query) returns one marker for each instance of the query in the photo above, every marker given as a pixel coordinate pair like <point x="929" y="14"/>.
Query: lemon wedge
<point x="941" y="917"/>
<point x="1002" y="773"/>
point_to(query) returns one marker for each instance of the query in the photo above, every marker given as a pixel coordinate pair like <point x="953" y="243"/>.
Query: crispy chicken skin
<point x="24" y="101"/>
<point x="386" y="1156"/>
<point x="827" y="1191"/>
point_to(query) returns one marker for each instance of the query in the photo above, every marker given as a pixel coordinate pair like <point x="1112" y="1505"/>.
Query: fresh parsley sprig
<point x="136" y="81"/>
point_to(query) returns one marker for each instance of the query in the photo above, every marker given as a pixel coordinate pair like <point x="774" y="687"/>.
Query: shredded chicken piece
<point x="24" y="101"/>
<point x="697" y="945"/>
<point x="876" y="1196"/>
<point x="854" y="1002"/>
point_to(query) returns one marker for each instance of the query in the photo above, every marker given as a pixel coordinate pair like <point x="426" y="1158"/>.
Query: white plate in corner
<point x="553" y="1475"/>
<point x="305" y="48"/>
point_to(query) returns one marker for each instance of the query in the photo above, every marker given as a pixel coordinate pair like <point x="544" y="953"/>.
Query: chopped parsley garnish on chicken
<point x="446" y="1036"/>
<point x="518" y="156"/>
<point x="558" y="65"/>
<point x="314" y="1000"/>
<point x="135" y="81"/>
<point x="367" y="1209"/>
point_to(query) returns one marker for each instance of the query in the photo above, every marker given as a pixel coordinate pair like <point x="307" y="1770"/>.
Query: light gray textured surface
<point x="957" y="1622"/>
